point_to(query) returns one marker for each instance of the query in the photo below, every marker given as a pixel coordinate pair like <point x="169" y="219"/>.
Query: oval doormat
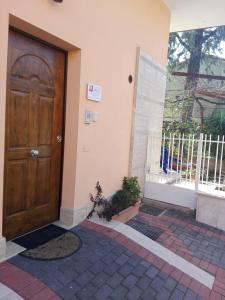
<point x="59" y="247"/>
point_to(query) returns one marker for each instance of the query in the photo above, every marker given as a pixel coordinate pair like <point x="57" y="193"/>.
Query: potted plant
<point x="122" y="206"/>
<point x="126" y="202"/>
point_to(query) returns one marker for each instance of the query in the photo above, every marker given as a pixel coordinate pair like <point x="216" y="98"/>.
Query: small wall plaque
<point x="94" y="92"/>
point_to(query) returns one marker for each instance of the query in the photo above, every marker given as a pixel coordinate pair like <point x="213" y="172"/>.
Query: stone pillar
<point x="147" y="115"/>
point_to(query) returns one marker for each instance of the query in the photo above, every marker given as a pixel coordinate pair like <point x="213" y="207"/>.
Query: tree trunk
<point x="193" y="67"/>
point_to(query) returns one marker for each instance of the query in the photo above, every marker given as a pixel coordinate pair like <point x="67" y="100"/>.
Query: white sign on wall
<point x="94" y="92"/>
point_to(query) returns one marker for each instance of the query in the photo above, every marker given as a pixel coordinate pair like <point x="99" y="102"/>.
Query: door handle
<point x="34" y="152"/>
<point x="59" y="139"/>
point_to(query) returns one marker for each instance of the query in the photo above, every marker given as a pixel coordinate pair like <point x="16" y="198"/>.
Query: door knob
<point x="34" y="152"/>
<point x="59" y="138"/>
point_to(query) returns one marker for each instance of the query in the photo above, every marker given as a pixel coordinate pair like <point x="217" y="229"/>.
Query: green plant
<point x="120" y="201"/>
<point x="126" y="197"/>
<point x="178" y="127"/>
<point x="215" y="124"/>
<point x="132" y="188"/>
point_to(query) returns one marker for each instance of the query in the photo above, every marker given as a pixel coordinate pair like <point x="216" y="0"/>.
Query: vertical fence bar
<point x="168" y="164"/>
<point x="217" y="149"/>
<point x="209" y="152"/>
<point x="192" y="152"/>
<point x="188" y="156"/>
<point x="182" y="152"/>
<point x="178" y="153"/>
<point x="172" y="150"/>
<point x="163" y="152"/>
<point x="199" y="161"/>
<point x="221" y="160"/>
<point x="203" y="161"/>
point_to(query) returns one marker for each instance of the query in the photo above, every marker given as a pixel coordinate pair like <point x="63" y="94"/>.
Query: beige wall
<point x="107" y="34"/>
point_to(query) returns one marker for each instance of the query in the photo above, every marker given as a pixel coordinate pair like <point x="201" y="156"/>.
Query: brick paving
<point x="111" y="266"/>
<point x="200" y="244"/>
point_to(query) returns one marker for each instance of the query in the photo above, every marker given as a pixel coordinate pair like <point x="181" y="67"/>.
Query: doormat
<point x="150" y="231"/>
<point x="49" y="243"/>
<point x="151" y="210"/>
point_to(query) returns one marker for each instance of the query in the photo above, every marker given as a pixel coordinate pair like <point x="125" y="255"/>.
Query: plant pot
<point x="128" y="213"/>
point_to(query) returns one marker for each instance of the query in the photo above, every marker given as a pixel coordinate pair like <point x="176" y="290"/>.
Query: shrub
<point x="120" y="201"/>
<point x="132" y="187"/>
<point x="127" y="196"/>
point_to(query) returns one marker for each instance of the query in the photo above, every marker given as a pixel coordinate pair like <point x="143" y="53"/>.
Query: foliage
<point x="215" y="124"/>
<point x="121" y="200"/>
<point x="132" y="188"/>
<point x="191" y="48"/>
<point x="183" y="45"/>
<point x="177" y="127"/>
<point x="127" y="196"/>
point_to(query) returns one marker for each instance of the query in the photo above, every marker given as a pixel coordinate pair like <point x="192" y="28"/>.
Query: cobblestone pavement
<point x="200" y="244"/>
<point x="108" y="266"/>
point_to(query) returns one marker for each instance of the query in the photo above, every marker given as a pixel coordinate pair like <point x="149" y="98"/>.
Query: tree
<point x="192" y="47"/>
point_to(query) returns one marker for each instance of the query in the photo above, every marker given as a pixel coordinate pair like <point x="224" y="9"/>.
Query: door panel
<point x="19" y="119"/>
<point x="34" y="119"/>
<point x="42" y="181"/>
<point x="16" y="189"/>
<point x="45" y="120"/>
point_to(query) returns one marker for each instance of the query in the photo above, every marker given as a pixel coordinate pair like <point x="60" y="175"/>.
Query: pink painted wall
<point x="107" y="34"/>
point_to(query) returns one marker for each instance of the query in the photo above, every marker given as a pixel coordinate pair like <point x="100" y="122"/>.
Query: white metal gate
<point x="179" y="166"/>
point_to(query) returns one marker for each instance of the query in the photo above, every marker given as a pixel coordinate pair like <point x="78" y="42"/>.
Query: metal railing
<point x="188" y="160"/>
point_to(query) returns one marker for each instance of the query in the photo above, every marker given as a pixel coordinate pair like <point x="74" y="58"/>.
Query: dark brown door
<point x="34" y="119"/>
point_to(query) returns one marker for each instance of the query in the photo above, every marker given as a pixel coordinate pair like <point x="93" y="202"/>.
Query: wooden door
<point x="34" y="124"/>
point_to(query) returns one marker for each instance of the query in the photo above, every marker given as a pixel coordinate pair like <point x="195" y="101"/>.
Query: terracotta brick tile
<point x="185" y="280"/>
<point x="45" y="294"/>
<point x="113" y="234"/>
<point x="215" y="296"/>
<point x="85" y="223"/>
<point x="220" y="275"/>
<point x="55" y="298"/>
<point x="143" y="253"/>
<point x="15" y="278"/>
<point x="195" y="285"/>
<point x="150" y="258"/>
<point x="137" y="249"/>
<point x="159" y="263"/>
<point x="32" y="289"/>
<point x="204" y="292"/>
<point x="220" y="284"/>
<point x="188" y="257"/>
<point x="212" y="269"/>
<point x="4" y="265"/>
<point x="204" y="265"/>
<point x="167" y="268"/>
<point x="196" y="261"/>
<point x="18" y="283"/>
<point x="219" y="290"/>
<point x="119" y="238"/>
<point x="6" y="272"/>
<point x="176" y="274"/>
